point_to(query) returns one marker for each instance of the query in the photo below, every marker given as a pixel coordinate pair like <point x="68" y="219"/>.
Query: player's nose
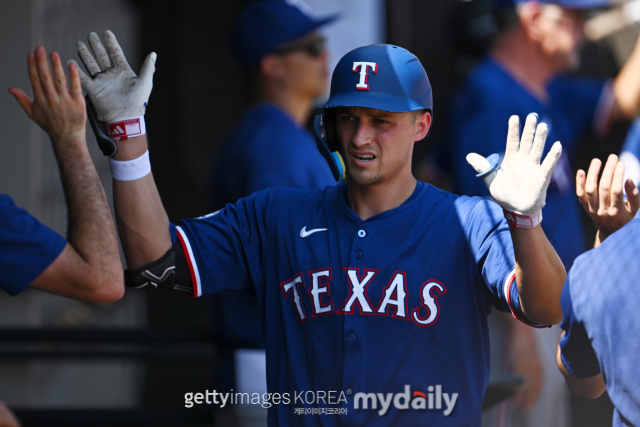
<point x="363" y="135"/>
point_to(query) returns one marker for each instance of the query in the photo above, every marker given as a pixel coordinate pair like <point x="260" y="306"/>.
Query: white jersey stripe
<point x="511" y="277"/>
<point x="192" y="262"/>
<point x="509" y="281"/>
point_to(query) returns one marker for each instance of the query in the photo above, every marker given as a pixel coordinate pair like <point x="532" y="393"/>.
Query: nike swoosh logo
<point x="304" y="233"/>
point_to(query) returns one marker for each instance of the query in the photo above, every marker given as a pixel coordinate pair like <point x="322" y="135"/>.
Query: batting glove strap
<point x="518" y="220"/>
<point x="127" y="128"/>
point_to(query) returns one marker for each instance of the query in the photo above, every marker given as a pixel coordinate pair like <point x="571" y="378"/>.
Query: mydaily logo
<point x="433" y="400"/>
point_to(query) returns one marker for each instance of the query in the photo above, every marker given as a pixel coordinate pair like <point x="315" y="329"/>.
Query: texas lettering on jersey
<point x="392" y="302"/>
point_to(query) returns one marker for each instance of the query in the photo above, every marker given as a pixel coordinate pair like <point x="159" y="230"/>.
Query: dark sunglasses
<point x="314" y="47"/>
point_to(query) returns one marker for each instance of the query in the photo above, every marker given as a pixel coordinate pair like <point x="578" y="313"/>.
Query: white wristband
<point x="127" y="128"/>
<point x="522" y="220"/>
<point x="130" y="170"/>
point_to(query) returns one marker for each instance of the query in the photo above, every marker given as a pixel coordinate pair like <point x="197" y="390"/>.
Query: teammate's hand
<point x="7" y="418"/>
<point x="605" y="203"/>
<point x="520" y="185"/>
<point x="114" y="89"/>
<point x="55" y="108"/>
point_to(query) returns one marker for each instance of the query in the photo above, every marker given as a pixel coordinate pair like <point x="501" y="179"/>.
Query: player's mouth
<point x="362" y="159"/>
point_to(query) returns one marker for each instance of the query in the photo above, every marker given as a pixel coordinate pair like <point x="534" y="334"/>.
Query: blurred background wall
<point x="199" y="94"/>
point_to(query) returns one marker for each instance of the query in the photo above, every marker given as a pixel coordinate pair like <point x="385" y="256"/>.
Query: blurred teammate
<point x="523" y="72"/>
<point x="87" y="265"/>
<point x="630" y="154"/>
<point x="601" y="340"/>
<point x="285" y="60"/>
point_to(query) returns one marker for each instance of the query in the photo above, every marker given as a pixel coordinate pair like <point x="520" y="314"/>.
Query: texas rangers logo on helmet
<point x="364" y="68"/>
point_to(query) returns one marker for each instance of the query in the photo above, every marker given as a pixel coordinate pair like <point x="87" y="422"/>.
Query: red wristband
<point x="522" y="220"/>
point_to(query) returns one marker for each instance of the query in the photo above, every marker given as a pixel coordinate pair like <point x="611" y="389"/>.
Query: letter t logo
<point x="364" y="67"/>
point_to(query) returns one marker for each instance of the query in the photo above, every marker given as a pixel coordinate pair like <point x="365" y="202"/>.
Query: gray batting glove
<point x="113" y="88"/>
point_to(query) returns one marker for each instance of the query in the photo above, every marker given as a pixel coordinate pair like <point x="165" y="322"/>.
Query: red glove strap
<point x="522" y="220"/>
<point x="127" y="128"/>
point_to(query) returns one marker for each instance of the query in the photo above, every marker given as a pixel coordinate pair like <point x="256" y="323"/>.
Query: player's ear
<point x="422" y="125"/>
<point x="531" y="20"/>
<point x="271" y="67"/>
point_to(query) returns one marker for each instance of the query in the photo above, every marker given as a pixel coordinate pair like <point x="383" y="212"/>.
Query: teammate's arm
<point x="89" y="267"/>
<point x="520" y="187"/>
<point x="591" y="387"/>
<point x="605" y="202"/>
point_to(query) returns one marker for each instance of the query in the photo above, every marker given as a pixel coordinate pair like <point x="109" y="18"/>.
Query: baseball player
<point x="600" y="343"/>
<point x="87" y="266"/>
<point x="377" y="289"/>
<point x="278" y="46"/>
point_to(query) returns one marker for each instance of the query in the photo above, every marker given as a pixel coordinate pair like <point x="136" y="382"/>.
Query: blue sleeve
<point x="223" y="249"/>
<point x="27" y="247"/>
<point x="576" y="352"/>
<point x="490" y="241"/>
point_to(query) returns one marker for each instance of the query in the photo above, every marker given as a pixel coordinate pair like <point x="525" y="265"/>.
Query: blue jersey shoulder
<point x="27" y="247"/>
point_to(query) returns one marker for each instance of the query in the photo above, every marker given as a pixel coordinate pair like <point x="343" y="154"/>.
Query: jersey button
<point x="358" y="254"/>
<point x="352" y="337"/>
<point x="362" y="233"/>
<point x="349" y="391"/>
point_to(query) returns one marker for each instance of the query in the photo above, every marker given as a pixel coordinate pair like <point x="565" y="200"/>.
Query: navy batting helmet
<point x="380" y="76"/>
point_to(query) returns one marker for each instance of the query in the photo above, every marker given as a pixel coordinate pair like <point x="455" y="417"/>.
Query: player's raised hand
<point x="520" y="184"/>
<point x="114" y="89"/>
<point x="58" y="110"/>
<point x="605" y="202"/>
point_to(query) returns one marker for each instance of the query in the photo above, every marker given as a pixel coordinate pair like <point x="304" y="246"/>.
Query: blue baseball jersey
<point x="478" y="119"/>
<point x="27" y="247"/>
<point x="600" y="304"/>
<point x="395" y="305"/>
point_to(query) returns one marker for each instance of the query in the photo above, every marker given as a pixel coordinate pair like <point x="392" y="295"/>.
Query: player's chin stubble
<point x="361" y="177"/>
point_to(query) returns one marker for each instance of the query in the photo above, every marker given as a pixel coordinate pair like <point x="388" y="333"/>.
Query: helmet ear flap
<point x="327" y="145"/>
<point x="328" y="122"/>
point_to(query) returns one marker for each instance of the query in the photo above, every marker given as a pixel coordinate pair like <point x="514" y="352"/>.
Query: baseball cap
<point x="264" y="25"/>
<point x="566" y="4"/>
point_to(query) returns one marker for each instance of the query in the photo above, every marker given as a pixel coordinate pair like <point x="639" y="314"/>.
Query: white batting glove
<point x="119" y="96"/>
<point x="520" y="184"/>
